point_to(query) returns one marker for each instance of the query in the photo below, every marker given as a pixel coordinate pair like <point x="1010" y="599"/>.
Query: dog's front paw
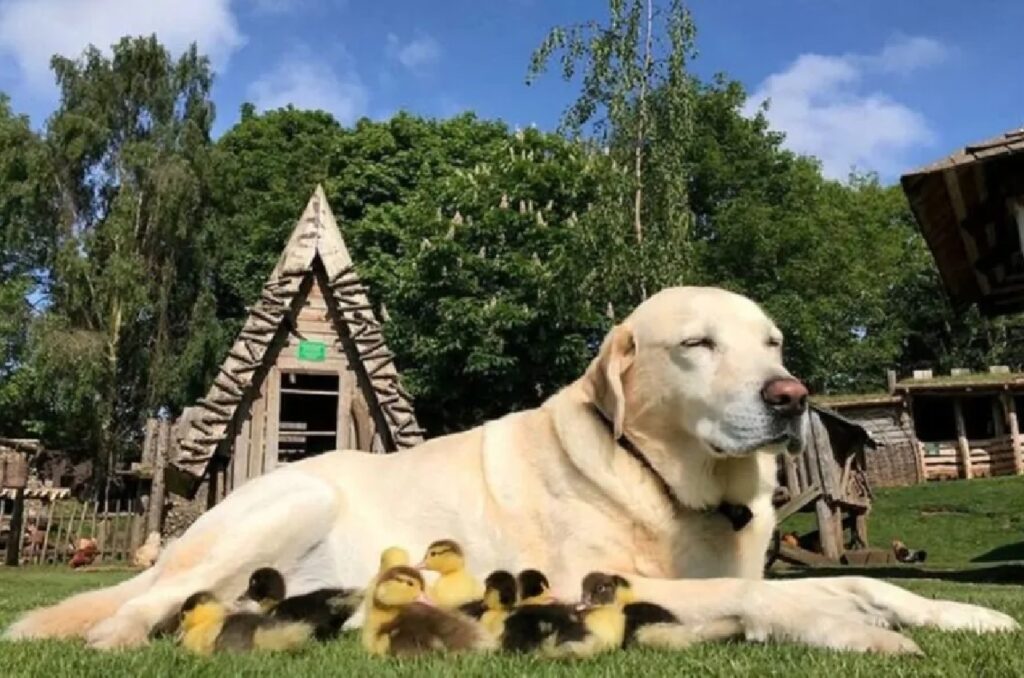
<point x="118" y="633"/>
<point x="951" y="616"/>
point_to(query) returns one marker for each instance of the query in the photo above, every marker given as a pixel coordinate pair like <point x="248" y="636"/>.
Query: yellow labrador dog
<point x="658" y="463"/>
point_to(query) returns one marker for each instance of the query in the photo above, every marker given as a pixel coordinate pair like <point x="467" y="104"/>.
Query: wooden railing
<point x="52" y="530"/>
<point x="991" y="457"/>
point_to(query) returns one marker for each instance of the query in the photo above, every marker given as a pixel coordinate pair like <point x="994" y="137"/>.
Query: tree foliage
<point x="127" y="145"/>
<point x="636" y="100"/>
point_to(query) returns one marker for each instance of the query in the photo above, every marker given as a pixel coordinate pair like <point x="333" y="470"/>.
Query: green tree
<point x="26" y="243"/>
<point x="487" y="287"/>
<point x="636" y="100"/>
<point x="128" y="143"/>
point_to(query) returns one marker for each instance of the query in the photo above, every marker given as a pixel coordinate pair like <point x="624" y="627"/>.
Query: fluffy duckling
<point x="393" y="556"/>
<point x="402" y="623"/>
<point x="534" y="588"/>
<point x="500" y="594"/>
<point x="456" y="586"/>
<point x="646" y="623"/>
<point x="326" y="609"/>
<point x="207" y="627"/>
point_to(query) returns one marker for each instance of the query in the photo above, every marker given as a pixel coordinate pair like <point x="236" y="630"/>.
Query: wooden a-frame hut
<point x="308" y="373"/>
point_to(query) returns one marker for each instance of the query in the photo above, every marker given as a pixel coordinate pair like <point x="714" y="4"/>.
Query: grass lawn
<point x="962" y="524"/>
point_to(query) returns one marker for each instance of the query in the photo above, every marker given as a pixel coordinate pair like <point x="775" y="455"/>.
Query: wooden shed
<point x="310" y="372"/>
<point x="830" y="480"/>
<point x="967" y="423"/>
<point x="970" y="209"/>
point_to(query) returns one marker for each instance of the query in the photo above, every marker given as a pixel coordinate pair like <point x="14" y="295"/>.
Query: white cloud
<point x="310" y="83"/>
<point x="906" y="54"/>
<point x="819" y="102"/>
<point x="417" y="54"/>
<point x="31" y="31"/>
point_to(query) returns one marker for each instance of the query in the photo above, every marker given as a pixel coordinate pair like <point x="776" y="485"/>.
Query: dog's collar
<point x="738" y="515"/>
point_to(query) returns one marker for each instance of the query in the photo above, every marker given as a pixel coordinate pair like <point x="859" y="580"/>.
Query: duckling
<point x="456" y="586"/>
<point x="533" y="627"/>
<point x="207" y="627"/>
<point x="401" y="621"/>
<point x="500" y="594"/>
<point x="534" y="588"/>
<point x="538" y="619"/>
<point x="393" y="556"/>
<point x="326" y="609"/>
<point x="649" y="624"/>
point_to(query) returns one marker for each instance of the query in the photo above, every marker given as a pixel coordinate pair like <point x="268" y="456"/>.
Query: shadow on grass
<point x="997" y="574"/>
<point x="1002" y="554"/>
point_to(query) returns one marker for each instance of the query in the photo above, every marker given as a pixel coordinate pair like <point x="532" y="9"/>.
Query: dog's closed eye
<point x="698" y="342"/>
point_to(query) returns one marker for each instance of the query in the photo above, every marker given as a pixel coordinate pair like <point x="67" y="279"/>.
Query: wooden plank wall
<point x="993" y="457"/>
<point x="896" y="461"/>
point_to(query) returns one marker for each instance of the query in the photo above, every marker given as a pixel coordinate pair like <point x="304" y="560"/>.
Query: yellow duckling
<point x="646" y="623"/>
<point x="207" y="627"/>
<point x="393" y="556"/>
<point x="402" y="623"/>
<point x="456" y="586"/>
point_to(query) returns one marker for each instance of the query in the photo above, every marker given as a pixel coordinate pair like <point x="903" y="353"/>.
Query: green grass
<point x="958" y="522"/>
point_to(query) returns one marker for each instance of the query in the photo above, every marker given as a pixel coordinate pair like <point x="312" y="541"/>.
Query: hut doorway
<point x="308" y="415"/>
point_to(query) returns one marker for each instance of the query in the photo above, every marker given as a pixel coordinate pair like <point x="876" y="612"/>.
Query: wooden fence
<point x="52" y="529"/>
<point x="991" y="457"/>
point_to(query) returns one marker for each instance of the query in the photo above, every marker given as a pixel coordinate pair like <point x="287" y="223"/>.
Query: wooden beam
<point x="17" y="530"/>
<point x="956" y="199"/>
<point x="1010" y="406"/>
<point x="240" y="455"/>
<point x="796" y="503"/>
<point x="963" y="445"/>
<point x="273" y="419"/>
<point x="831" y="545"/>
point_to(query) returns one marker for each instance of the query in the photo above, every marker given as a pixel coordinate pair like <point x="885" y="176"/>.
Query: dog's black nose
<point x="786" y="396"/>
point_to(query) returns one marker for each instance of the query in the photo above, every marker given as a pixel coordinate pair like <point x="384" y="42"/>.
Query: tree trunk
<point x="641" y="133"/>
<point x="113" y="349"/>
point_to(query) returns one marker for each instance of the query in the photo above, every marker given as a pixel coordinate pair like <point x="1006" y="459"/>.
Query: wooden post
<point x="890" y="381"/>
<point x="17" y="531"/>
<point x="827" y="532"/>
<point x="1010" y="406"/>
<point x="860" y="529"/>
<point x="271" y="434"/>
<point x="157" y="492"/>
<point x="963" y="445"/>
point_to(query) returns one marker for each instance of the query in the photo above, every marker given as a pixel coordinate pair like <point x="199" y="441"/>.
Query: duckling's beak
<point x="423" y="598"/>
<point x="421" y="565"/>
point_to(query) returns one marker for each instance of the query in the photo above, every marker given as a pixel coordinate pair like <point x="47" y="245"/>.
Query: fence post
<point x="17" y="531"/>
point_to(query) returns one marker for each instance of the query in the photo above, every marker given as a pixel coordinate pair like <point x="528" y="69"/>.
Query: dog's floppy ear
<point x="604" y="376"/>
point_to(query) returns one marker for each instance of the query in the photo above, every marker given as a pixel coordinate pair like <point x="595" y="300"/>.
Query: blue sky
<point x="883" y="85"/>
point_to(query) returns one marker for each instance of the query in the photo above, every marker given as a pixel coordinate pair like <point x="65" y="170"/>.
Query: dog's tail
<point x="74" y="616"/>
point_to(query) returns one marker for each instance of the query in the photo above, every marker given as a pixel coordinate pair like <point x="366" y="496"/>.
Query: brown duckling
<point x="401" y="621"/>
